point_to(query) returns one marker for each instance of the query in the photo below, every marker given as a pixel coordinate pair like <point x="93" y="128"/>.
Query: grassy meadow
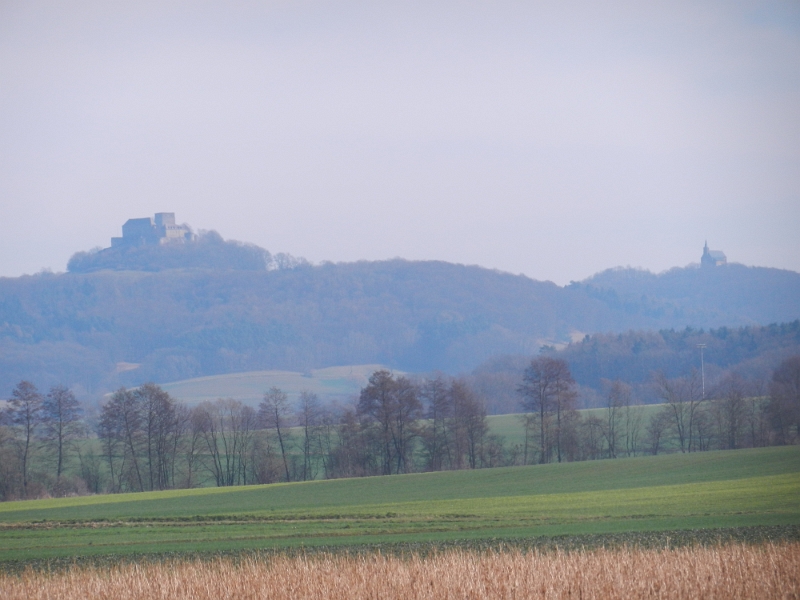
<point x="741" y="488"/>
<point x="510" y="427"/>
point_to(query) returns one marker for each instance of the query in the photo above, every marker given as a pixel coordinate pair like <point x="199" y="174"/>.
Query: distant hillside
<point x="729" y="295"/>
<point x="753" y="352"/>
<point x="133" y="317"/>
<point x="333" y="383"/>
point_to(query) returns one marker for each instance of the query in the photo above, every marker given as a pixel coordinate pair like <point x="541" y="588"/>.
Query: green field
<point x="703" y="490"/>
<point x="511" y="428"/>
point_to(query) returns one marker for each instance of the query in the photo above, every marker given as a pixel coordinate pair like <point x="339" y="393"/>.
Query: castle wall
<point x="165" y="219"/>
<point x="160" y="230"/>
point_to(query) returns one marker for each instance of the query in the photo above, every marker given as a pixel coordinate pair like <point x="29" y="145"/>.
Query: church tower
<point x="712" y="258"/>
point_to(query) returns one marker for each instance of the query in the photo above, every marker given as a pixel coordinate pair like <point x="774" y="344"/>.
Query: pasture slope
<point x="758" y="487"/>
<point x="338" y="383"/>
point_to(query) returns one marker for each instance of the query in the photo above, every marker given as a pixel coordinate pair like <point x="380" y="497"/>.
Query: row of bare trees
<point x="737" y="413"/>
<point x="147" y="440"/>
<point x="150" y="441"/>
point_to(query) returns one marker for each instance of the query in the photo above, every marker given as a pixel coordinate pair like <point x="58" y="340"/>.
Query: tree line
<point x="735" y="413"/>
<point x="143" y="439"/>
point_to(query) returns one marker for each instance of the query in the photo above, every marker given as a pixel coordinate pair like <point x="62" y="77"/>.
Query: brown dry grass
<point x="730" y="572"/>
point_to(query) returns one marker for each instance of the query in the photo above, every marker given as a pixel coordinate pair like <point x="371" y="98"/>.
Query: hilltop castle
<point x="147" y="231"/>
<point x="712" y="258"/>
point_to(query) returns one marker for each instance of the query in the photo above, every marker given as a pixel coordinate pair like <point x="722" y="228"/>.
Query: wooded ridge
<point x="175" y="319"/>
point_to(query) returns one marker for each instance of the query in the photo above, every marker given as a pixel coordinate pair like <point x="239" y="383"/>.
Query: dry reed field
<point x="729" y="572"/>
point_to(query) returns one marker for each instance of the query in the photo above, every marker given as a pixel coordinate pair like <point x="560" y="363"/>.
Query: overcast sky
<point x="554" y="139"/>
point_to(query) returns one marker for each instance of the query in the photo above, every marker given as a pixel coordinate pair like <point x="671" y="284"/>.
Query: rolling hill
<point x="731" y="489"/>
<point x="97" y="328"/>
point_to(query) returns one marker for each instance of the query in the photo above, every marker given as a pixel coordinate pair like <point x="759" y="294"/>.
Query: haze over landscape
<point x="554" y="141"/>
<point x="399" y="299"/>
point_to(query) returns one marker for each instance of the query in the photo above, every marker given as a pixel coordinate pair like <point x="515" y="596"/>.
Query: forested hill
<point x="727" y="295"/>
<point x="103" y="328"/>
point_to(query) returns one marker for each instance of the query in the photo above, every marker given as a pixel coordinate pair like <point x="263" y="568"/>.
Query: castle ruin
<point x="147" y="231"/>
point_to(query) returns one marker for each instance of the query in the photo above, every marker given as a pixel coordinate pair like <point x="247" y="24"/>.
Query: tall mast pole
<point x="702" y="369"/>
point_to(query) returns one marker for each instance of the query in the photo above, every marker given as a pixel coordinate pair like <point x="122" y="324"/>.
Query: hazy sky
<point x="554" y="139"/>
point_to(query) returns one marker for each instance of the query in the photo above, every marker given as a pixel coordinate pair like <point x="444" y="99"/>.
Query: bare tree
<point x="90" y="469"/>
<point x="24" y="414"/>
<point x="110" y="435"/>
<point x="657" y="429"/>
<point x="682" y="397"/>
<point x="548" y="391"/>
<point x="456" y="434"/>
<point x="61" y="424"/>
<point x="623" y="422"/>
<point x="528" y="421"/>
<point x="246" y="425"/>
<point x="141" y="432"/>
<point x="469" y="425"/>
<point x="130" y="417"/>
<point x="195" y="422"/>
<point x="227" y="428"/>
<point x="756" y="418"/>
<point x="120" y="429"/>
<point x="308" y="417"/>
<point x="566" y="399"/>
<point x="264" y="463"/>
<point x="212" y="425"/>
<point x="494" y="452"/>
<point x="592" y="432"/>
<point x="703" y="428"/>
<point x="618" y="396"/>
<point x="405" y="425"/>
<point x="537" y="400"/>
<point x="784" y="401"/>
<point x="273" y="413"/>
<point x="632" y="418"/>
<point x="730" y="411"/>
<point x="376" y="402"/>
<point x="436" y="433"/>
<point x="359" y="449"/>
<point x="10" y="476"/>
<point x="160" y="424"/>
<point x="326" y="439"/>
<point x="393" y="406"/>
